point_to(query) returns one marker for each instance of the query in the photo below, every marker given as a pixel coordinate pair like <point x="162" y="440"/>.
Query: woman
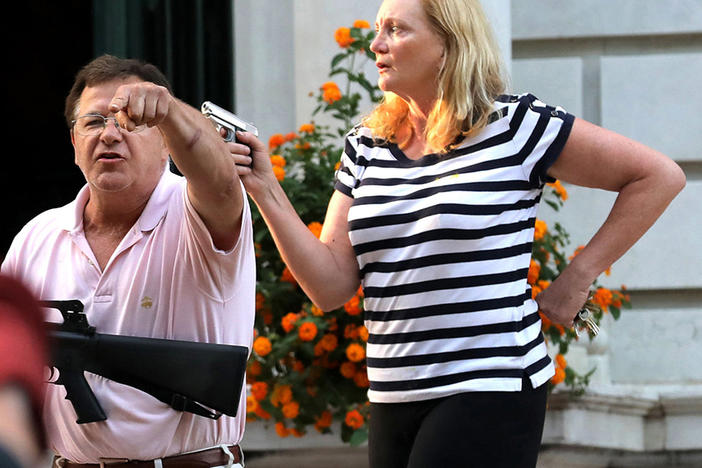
<point x="433" y="212"/>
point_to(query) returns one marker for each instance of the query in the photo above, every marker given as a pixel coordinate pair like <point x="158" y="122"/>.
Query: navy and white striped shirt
<point x="444" y="246"/>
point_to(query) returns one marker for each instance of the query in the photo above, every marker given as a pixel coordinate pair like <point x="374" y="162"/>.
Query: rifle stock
<point x="188" y="376"/>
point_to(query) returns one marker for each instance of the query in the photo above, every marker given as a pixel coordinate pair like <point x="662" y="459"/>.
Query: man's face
<point x="115" y="160"/>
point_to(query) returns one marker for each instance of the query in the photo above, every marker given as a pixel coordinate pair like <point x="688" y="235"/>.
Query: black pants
<point x="467" y="430"/>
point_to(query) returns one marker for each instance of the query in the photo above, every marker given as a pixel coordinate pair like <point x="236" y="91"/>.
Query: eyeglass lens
<point x="94" y="124"/>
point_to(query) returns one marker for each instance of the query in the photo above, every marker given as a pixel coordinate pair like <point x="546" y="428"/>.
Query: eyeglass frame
<point x="137" y="129"/>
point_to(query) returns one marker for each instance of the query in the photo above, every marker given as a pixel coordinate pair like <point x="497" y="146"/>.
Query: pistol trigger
<point x="230" y="136"/>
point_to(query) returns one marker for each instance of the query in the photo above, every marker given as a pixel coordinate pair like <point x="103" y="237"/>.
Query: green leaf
<point x="337" y="58"/>
<point x="616" y="313"/>
<point x="358" y="437"/>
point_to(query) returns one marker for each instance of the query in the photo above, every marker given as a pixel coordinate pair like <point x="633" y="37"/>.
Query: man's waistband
<point x="222" y="456"/>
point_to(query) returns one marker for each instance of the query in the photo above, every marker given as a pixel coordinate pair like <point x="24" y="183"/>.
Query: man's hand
<point x="140" y="103"/>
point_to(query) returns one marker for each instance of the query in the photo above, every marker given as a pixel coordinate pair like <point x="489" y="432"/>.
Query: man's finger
<point x="119" y="102"/>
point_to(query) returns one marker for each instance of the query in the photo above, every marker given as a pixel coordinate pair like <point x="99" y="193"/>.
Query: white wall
<point x="633" y="67"/>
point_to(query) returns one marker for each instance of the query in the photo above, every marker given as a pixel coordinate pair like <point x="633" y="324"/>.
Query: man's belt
<point x="213" y="457"/>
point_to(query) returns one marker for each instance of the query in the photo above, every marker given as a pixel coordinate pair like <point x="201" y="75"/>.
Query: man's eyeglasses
<point x="94" y="124"/>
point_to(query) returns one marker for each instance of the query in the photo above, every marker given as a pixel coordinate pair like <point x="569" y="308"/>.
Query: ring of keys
<point x="586" y="319"/>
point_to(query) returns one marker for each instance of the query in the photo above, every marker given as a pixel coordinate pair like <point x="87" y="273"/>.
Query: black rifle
<point x="202" y="378"/>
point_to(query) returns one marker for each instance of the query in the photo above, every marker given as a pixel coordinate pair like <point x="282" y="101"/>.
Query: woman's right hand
<point x="253" y="164"/>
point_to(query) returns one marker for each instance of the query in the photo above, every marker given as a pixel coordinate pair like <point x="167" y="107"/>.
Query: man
<point x="149" y="253"/>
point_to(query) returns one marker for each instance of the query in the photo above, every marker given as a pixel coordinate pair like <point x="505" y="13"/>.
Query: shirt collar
<point x="155" y="208"/>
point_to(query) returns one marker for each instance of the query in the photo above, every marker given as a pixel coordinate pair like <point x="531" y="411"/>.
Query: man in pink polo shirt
<point x="149" y="253"/>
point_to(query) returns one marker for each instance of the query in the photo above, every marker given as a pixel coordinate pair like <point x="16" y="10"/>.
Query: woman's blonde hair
<point x="468" y="82"/>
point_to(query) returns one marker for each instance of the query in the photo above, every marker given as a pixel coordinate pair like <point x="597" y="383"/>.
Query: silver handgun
<point x="222" y="118"/>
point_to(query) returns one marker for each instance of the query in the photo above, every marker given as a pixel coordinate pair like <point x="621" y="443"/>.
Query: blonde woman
<point x="434" y="214"/>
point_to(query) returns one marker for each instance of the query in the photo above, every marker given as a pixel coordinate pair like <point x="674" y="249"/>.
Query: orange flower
<point x="262" y="346"/>
<point x="348" y="369"/>
<point x="251" y="404"/>
<point x="330" y="92"/>
<point x="278" y="160"/>
<point x="535" y="291"/>
<point x="316" y="311"/>
<point x="329" y="342"/>
<point x="332" y="324"/>
<point x="298" y="366"/>
<point x="561" y="361"/>
<point x="324" y="420"/>
<point x="351" y="331"/>
<point x="282" y="394"/>
<point x="296" y="432"/>
<point x="288" y="277"/>
<point x="355" y="352"/>
<point x="540" y="229"/>
<point x="259" y="390"/>
<point x="576" y="252"/>
<point x="558" y="377"/>
<point x="343" y="37"/>
<point x="603" y="297"/>
<point x="291" y="409"/>
<point x="267" y="317"/>
<point x="316" y="228"/>
<point x="307" y="128"/>
<point x="304" y="146"/>
<point x="288" y="321"/>
<point x="543" y="284"/>
<point x="290" y="136"/>
<point x="559" y="189"/>
<point x="332" y="95"/>
<point x="361" y="379"/>
<point x="254" y="369"/>
<point x="307" y="331"/>
<point x="319" y="348"/>
<point x="261" y="413"/>
<point x="545" y="321"/>
<point x="281" y="430"/>
<point x="363" y="333"/>
<point x="279" y="173"/>
<point x="353" y="306"/>
<point x="260" y="301"/>
<point x="276" y="140"/>
<point x="534" y="270"/>
<point x="361" y="24"/>
<point x="354" y="419"/>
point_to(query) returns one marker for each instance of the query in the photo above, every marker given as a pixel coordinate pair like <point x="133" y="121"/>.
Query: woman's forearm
<point x="325" y="268"/>
<point x="637" y="207"/>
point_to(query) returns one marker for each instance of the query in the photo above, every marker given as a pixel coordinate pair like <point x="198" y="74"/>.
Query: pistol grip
<point x="81" y="396"/>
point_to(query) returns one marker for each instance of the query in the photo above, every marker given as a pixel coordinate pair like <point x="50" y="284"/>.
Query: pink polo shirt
<point x="165" y="280"/>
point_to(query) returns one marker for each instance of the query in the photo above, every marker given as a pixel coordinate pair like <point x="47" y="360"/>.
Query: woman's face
<point x="408" y="53"/>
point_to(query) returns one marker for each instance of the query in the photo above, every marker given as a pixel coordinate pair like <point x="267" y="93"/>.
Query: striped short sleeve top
<point x="444" y="246"/>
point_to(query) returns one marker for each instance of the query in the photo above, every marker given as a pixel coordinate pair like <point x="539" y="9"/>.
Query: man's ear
<point x="73" y="143"/>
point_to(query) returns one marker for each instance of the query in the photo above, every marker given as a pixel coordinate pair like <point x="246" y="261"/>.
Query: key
<point x="588" y="319"/>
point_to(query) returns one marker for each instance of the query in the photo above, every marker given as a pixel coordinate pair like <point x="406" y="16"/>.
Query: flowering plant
<point x="307" y="369"/>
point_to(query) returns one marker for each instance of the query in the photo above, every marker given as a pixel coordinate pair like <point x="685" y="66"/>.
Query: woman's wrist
<point x="581" y="272"/>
